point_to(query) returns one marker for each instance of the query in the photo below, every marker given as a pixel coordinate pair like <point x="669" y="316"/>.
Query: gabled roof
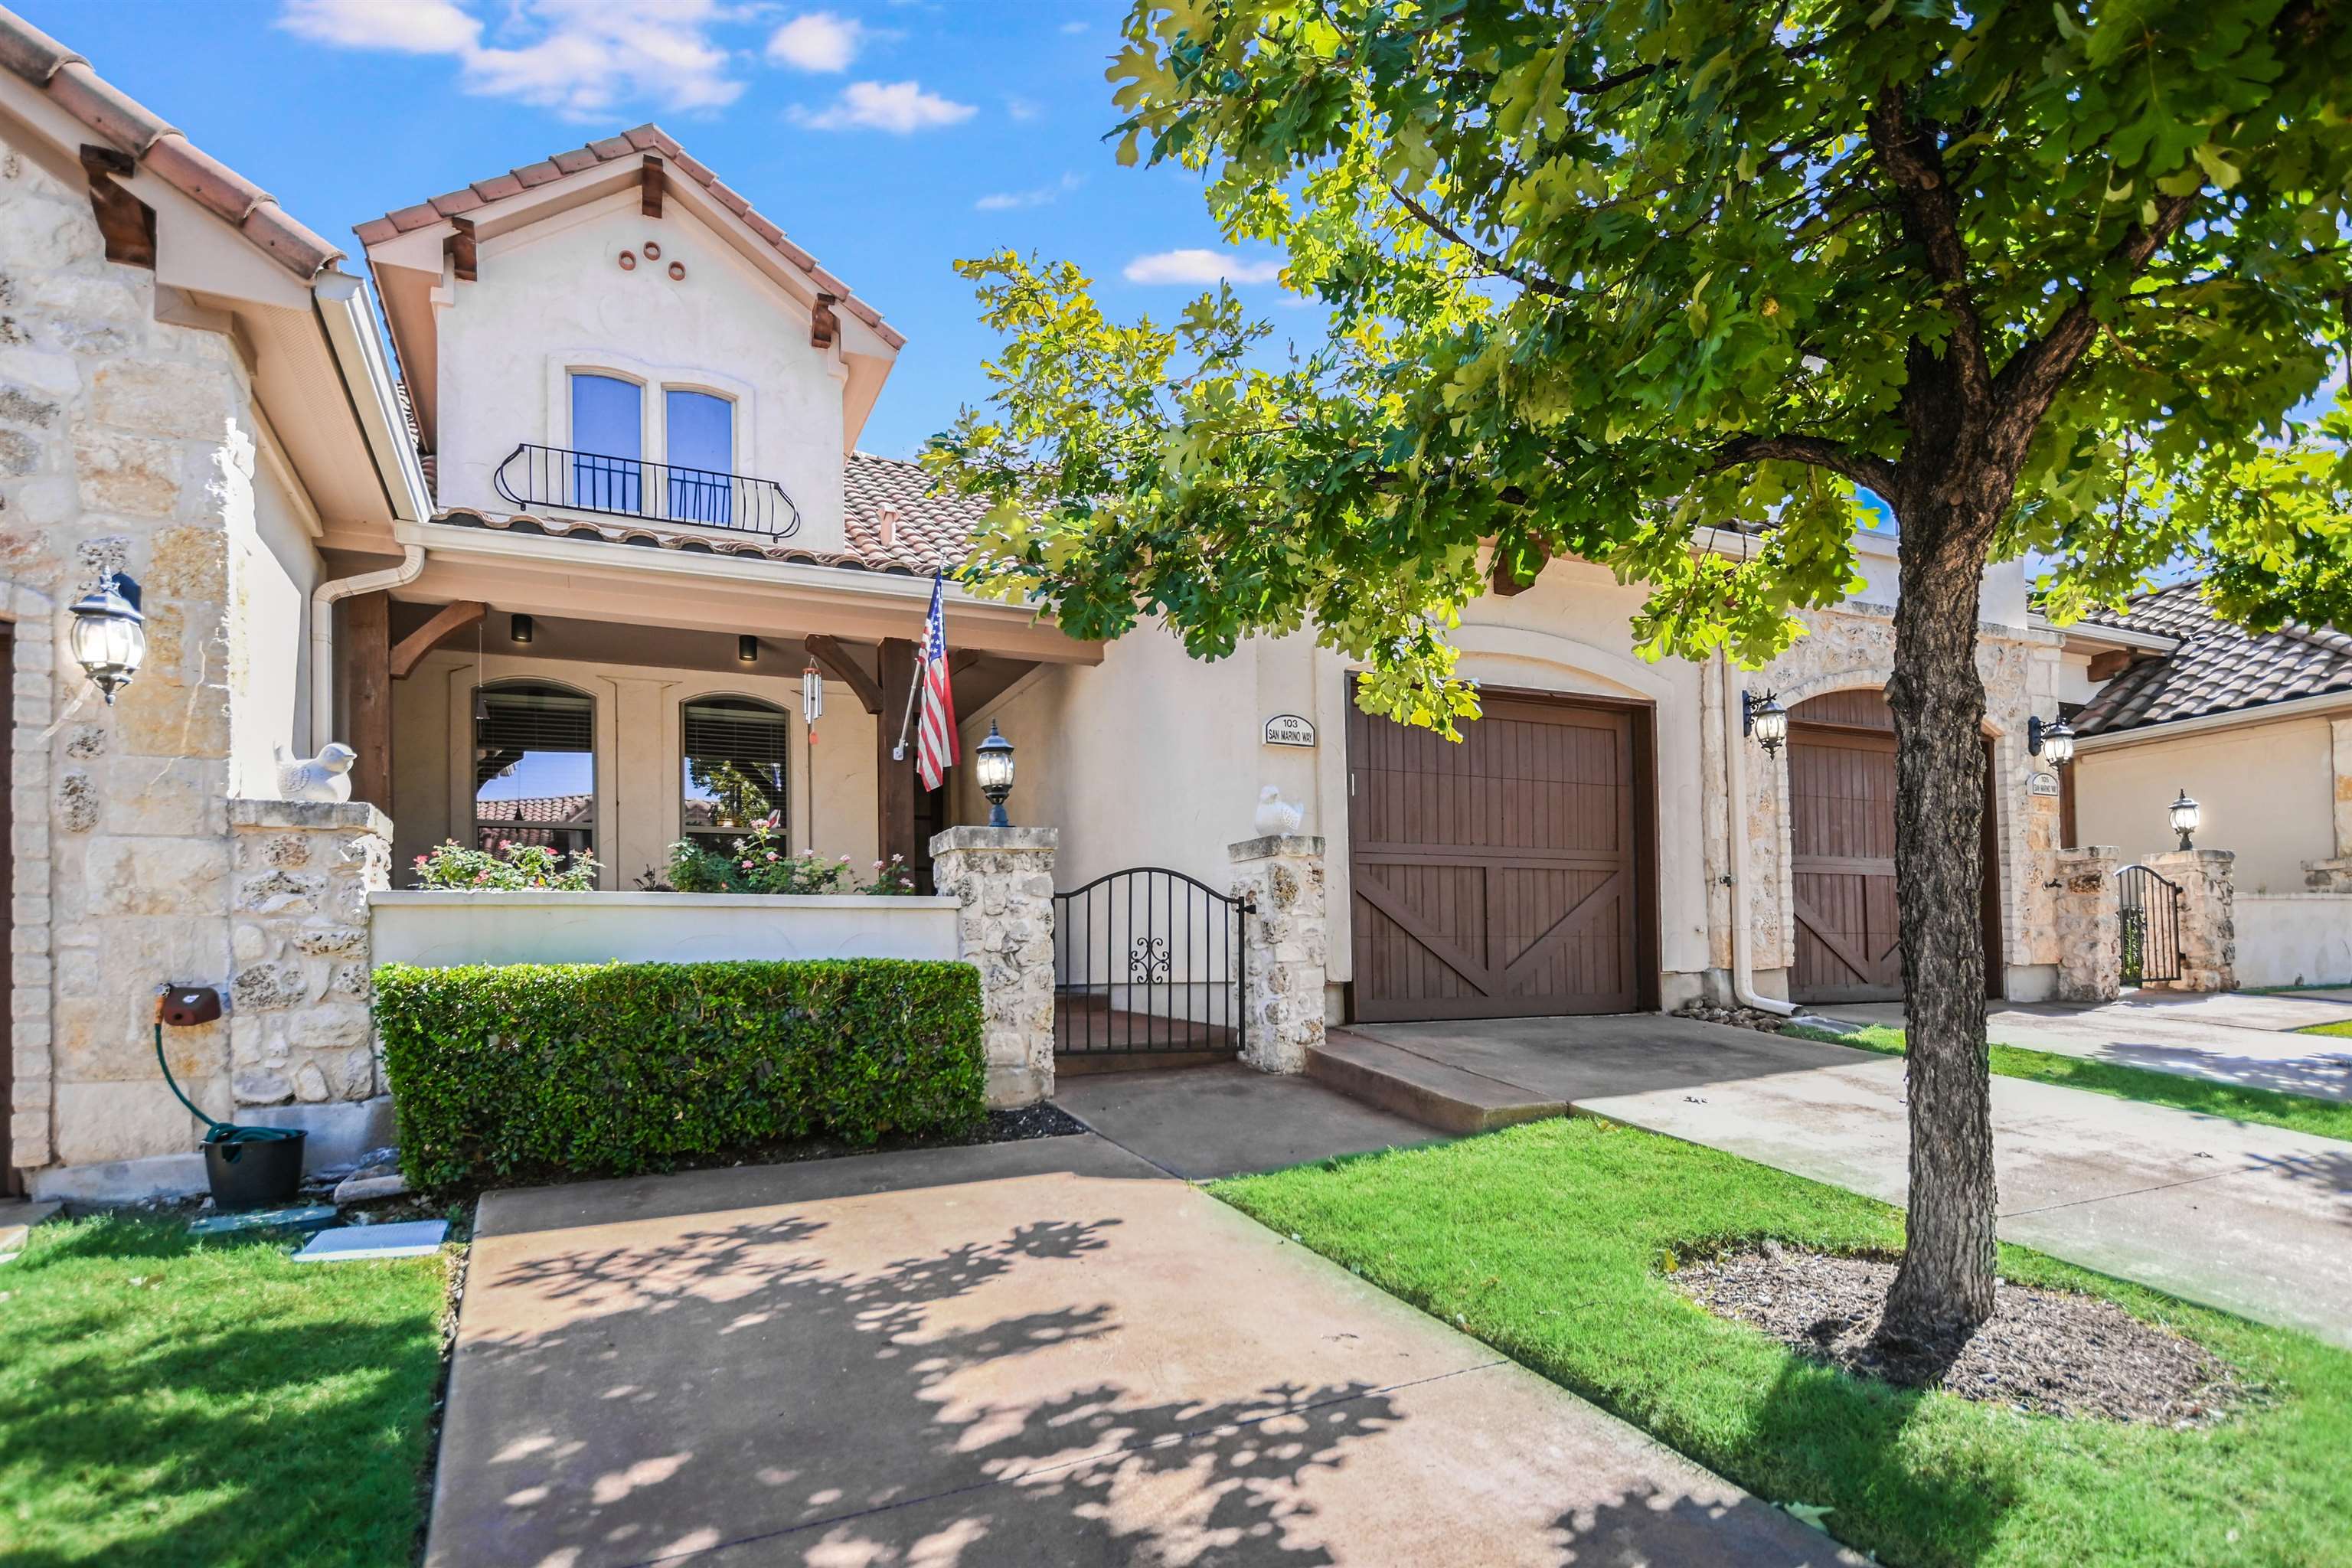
<point x="121" y="120"/>
<point x="628" y="144"/>
<point x="2218" y="668"/>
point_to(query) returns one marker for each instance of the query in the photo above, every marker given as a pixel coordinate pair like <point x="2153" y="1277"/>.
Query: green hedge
<point x="612" y="1068"/>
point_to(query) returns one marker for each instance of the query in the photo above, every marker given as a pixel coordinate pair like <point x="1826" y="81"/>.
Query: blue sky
<point x="888" y="139"/>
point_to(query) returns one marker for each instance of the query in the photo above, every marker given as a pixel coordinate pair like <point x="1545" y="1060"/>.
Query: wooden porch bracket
<point x="649" y="187"/>
<point x="125" y="223"/>
<point x="462" y="249"/>
<point x="824" y="326"/>
<point x="454" y="618"/>
<point x="828" y="652"/>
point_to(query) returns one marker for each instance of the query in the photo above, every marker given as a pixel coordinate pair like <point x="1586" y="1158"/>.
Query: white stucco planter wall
<point x="439" y="930"/>
<point x="2293" y="939"/>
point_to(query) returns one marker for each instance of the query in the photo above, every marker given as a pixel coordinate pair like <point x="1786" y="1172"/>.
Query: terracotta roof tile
<point x="2218" y="668"/>
<point x="457" y="201"/>
<point x="119" y="118"/>
<point x="635" y="142"/>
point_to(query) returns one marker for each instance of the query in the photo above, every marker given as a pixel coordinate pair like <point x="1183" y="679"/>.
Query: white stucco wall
<point x="2268" y="793"/>
<point x="638" y="767"/>
<point x="436" y="929"/>
<point x="552" y="297"/>
<point x="273" y="567"/>
<point x="2293" y="939"/>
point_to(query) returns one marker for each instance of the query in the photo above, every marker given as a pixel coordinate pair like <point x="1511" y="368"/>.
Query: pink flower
<point x="505" y="845"/>
<point x="774" y="856"/>
<point x="844" y="859"/>
<point x="747" y="865"/>
<point x="894" y="859"/>
<point x="421" y="859"/>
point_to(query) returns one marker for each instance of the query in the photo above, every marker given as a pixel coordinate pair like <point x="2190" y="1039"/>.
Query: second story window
<point x="701" y="455"/>
<point x="607" y="443"/>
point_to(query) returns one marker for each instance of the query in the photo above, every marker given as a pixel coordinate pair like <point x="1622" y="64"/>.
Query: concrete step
<point x="1430" y="1092"/>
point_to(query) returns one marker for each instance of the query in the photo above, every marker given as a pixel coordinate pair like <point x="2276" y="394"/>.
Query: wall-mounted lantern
<point x="110" y="635"/>
<point x="2185" y="814"/>
<point x="1765" y="719"/>
<point x="993" y="762"/>
<point x="2053" y="742"/>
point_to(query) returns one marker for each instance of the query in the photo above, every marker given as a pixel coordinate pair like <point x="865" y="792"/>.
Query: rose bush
<point x="513" y="868"/>
<point x="760" y="864"/>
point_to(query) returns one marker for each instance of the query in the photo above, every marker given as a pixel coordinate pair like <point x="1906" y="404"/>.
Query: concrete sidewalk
<point x="2230" y="1037"/>
<point x="1038" y="1353"/>
<point x="2252" y="1219"/>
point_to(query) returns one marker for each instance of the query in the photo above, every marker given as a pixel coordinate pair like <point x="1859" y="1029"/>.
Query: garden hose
<point x="214" y="1131"/>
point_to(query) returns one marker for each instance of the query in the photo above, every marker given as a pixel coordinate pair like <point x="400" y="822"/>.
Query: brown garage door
<point x="1841" y="852"/>
<point x="1501" y="875"/>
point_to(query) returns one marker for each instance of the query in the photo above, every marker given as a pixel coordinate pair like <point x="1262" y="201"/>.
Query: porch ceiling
<point x="784" y="601"/>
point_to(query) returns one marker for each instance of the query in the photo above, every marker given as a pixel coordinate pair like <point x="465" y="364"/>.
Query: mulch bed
<point x="2050" y="1352"/>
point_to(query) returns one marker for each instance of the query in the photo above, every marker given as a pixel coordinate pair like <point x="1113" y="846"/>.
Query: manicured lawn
<point x="163" y="1401"/>
<point x="2296" y="1112"/>
<point x="2341" y="1031"/>
<point x="1550" y="1241"/>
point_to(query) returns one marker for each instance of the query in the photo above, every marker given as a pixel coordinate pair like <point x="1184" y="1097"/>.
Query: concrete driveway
<point x="2252" y="1219"/>
<point x="2230" y="1037"/>
<point x="1046" y="1352"/>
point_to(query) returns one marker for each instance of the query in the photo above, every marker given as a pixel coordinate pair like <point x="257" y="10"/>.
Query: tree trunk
<point x="1944" y="1290"/>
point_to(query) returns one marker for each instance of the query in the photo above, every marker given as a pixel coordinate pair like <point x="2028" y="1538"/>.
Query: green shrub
<point x="611" y="1069"/>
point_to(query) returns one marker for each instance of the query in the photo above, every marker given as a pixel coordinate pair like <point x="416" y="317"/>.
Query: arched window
<point x="735" y="750"/>
<point x="534" y="766"/>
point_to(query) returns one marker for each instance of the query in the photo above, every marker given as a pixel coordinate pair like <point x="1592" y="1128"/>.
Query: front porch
<point x="543" y="690"/>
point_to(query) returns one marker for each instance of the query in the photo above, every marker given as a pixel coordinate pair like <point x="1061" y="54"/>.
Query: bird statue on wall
<point x="1276" y="817"/>
<point x="327" y="776"/>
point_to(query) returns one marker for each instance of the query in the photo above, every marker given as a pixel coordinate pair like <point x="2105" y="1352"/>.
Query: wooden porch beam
<point x="125" y="223"/>
<point x="828" y="652"/>
<point x="454" y="618"/>
<point x="649" y="187"/>
<point x="462" y="250"/>
<point x="367" y="659"/>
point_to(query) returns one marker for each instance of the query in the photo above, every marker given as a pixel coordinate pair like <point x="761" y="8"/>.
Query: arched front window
<point x="735" y="750"/>
<point x="534" y="766"/>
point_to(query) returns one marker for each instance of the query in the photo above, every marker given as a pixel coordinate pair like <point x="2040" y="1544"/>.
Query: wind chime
<point x="811" y="710"/>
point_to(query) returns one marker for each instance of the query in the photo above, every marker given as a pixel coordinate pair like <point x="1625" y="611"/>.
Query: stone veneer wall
<point x="299" y="1023"/>
<point x="1003" y="881"/>
<point x="125" y="442"/>
<point x="2209" y="926"/>
<point x="2089" y="915"/>
<point x="1854" y="647"/>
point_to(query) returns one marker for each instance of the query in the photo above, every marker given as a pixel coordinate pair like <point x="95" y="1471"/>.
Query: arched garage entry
<point x="1511" y="874"/>
<point x="1841" y="852"/>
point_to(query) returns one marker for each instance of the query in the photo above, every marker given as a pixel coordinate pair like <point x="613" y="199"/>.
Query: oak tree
<point x="1601" y="276"/>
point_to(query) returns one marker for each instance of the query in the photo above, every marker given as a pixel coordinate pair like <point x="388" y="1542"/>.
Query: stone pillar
<point x="1285" y="947"/>
<point x="2089" y="921"/>
<point x="2209" y="927"/>
<point x="300" y="1029"/>
<point x="1004" y="879"/>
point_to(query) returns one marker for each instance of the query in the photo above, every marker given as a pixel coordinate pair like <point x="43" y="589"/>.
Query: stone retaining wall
<point x="299" y="1023"/>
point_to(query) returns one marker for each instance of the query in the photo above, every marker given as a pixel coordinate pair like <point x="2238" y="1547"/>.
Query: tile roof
<point x="929" y="530"/>
<point x="2218" y="668"/>
<point x="628" y="145"/>
<point x="118" y="118"/>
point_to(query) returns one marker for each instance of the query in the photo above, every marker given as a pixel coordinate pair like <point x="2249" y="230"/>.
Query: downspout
<point x="322" y="632"/>
<point x="1743" y="973"/>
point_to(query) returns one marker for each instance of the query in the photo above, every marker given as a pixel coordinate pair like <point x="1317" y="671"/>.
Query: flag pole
<point x="914" y="684"/>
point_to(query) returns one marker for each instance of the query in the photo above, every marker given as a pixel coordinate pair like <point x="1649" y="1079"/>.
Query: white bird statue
<point x="1276" y="816"/>
<point x="327" y="776"/>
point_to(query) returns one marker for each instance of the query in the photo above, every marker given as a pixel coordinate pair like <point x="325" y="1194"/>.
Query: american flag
<point x="936" y="749"/>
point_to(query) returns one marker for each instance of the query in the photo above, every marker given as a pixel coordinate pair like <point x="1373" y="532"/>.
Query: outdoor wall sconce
<point x="2185" y="814"/>
<point x="747" y="649"/>
<point x="519" y="628"/>
<point x="2054" y="741"/>
<point x="1765" y="719"/>
<point x="993" y="762"/>
<point x="110" y="635"/>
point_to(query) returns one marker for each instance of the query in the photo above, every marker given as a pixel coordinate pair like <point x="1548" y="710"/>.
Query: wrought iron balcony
<point x="534" y="476"/>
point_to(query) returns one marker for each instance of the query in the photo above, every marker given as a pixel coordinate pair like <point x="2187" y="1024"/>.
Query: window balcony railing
<point x="535" y="476"/>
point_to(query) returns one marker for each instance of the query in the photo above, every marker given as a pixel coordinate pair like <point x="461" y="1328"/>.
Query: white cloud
<point x="898" y="107"/>
<point x="1075" y="27"/>
<point x="582" y="59"/>
<point x="819" y="41"/>
<point x="1200" y="268"/>
<point x="1021" y="108"/>
<point x="1008" y="201"/>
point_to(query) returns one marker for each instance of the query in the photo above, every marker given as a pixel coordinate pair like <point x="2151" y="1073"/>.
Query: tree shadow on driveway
<point x="728" y="1393"/>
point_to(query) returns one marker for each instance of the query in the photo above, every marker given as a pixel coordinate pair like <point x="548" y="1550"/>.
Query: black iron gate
<point x="1147" y="961"/>
<point x="2149" y="931"/>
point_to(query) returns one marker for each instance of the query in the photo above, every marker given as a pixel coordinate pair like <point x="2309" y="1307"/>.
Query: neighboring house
<point x="2256" y="727"/>
<point x="562" y="580"/>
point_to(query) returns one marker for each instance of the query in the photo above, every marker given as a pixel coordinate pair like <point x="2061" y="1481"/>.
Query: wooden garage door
<point x="1497" y="877"/>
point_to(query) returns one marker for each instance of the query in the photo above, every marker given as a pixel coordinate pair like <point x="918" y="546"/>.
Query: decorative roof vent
<point x="887" y="520"/>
